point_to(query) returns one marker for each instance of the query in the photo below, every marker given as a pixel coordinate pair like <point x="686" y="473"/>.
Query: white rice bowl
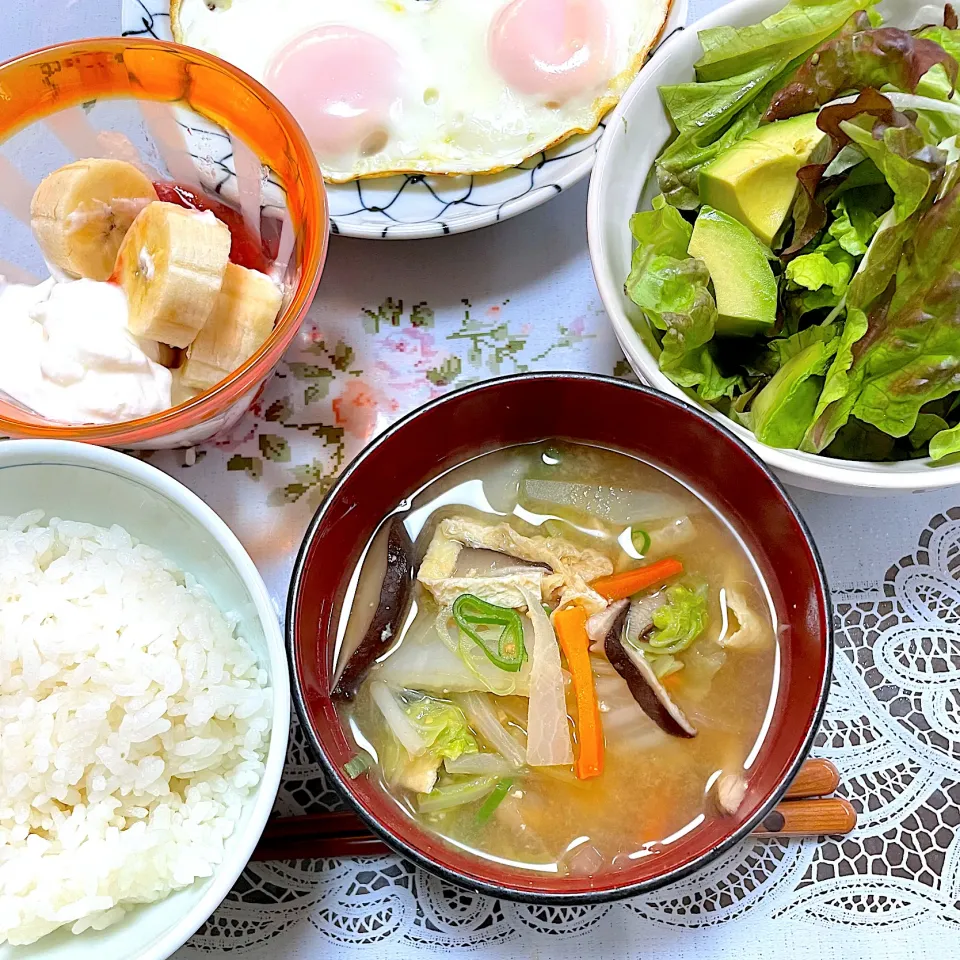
<point x="134" y="725"/>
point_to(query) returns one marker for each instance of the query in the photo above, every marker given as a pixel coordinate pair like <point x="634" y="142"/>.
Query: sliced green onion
<point x="356" y="766"/>
<point x="500" y="792"/>
<point x="455" y="794"/>
<point x="640" y="540"/>
<point x="470" y="611"/>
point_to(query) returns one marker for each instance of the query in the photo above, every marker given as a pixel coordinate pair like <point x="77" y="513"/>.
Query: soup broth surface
<point x="655" y="785"/>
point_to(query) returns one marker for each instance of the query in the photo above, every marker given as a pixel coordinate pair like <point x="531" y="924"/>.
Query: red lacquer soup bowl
<point x="603" y="412"/>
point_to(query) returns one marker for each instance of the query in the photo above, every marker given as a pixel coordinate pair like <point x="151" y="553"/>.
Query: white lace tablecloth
<point x="397" y="323"/>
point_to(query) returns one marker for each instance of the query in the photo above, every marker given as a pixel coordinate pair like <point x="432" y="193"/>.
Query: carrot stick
<point x="571" y="627"/>
<point x="620" y="585"/>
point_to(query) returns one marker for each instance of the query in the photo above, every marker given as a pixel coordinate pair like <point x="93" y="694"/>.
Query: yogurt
<point x="66" y="353"/>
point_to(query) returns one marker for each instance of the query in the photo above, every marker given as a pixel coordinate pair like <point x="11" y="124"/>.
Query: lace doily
<point x="892" y="727"/>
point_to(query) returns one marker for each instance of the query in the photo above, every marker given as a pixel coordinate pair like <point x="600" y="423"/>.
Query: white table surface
<point x="520" y="295"/>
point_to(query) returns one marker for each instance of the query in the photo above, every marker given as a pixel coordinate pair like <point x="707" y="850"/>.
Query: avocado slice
<point x="743" y="281"/>
<point x="755" y="180"/>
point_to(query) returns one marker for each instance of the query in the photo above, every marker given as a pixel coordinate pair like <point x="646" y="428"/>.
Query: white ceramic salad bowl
<point x="636" y="133"/>
<point x="94" y="484"/>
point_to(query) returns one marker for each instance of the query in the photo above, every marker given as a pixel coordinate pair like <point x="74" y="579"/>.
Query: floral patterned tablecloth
<point x="398" y="323"/>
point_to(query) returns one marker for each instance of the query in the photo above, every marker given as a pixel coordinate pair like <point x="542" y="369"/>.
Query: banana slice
<point x="166" y="356"/>
<point x="244" y="316"/>
<point x="179" y="391"/>
<point x="171" y="266"/>
<point x="81" y="212"/>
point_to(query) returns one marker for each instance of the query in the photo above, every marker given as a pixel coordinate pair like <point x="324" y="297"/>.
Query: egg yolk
<point x="340" y="84"/>
<point x="555" y="49"/>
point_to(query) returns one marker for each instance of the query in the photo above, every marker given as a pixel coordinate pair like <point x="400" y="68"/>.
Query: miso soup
<point x="558" y="657"/>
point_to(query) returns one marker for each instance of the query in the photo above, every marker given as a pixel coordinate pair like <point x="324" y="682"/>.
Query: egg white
<point x="456" y="114"/>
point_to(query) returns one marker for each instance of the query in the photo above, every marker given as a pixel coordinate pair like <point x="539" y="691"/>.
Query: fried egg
<point x="431" y="86"/>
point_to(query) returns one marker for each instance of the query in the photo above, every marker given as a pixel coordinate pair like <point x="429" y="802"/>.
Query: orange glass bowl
<point x="187" y="117"/>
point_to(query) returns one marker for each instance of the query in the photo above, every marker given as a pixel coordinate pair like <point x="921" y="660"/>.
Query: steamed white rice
<point x="133" y="726"/>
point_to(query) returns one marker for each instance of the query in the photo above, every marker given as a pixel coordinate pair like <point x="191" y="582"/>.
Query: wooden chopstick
<point x="817" y="778"/>
<point x="343" y="834"/>
<point x="314" y="846"/>
<point x="826" y="816"/>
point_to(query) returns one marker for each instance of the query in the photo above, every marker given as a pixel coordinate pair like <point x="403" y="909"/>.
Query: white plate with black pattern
<point x="415" y="206"/>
